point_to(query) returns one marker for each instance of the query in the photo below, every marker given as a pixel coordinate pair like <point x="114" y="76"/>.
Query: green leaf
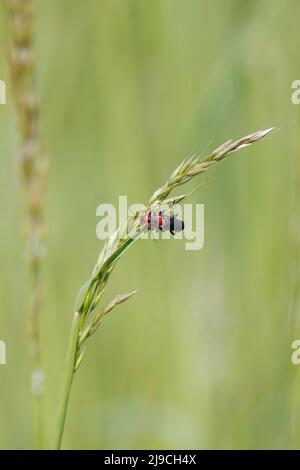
<point x="81" y="295"/>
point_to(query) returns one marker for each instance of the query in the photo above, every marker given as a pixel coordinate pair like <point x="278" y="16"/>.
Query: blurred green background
<point x="201" y="356"/>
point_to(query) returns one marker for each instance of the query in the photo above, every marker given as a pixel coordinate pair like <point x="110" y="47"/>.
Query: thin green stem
<point x="38" y="422"/>
<point x="33" y="166"/>
<point x="67" y="381"/>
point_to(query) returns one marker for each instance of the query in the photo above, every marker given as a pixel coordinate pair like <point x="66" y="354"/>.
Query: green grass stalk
<point x="86" y="318"/>
<point x="68" y="379"/>
<point x="33" y="167"/>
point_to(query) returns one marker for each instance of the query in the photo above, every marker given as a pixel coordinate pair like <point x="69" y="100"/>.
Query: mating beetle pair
<point x="161" y="221"/>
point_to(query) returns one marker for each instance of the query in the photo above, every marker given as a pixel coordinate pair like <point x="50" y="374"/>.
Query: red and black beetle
<point x="161" y="222"/>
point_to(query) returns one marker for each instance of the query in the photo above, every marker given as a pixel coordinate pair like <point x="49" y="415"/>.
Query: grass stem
<point x="86" y="318"/>
<point x="68" y="379"/>
<point x="33" y="165"/>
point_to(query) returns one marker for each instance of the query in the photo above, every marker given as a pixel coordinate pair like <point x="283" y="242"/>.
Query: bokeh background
<point x="201" y="356"/>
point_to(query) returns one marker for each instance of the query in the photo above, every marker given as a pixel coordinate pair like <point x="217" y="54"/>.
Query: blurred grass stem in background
<point x="33" y="170"/>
